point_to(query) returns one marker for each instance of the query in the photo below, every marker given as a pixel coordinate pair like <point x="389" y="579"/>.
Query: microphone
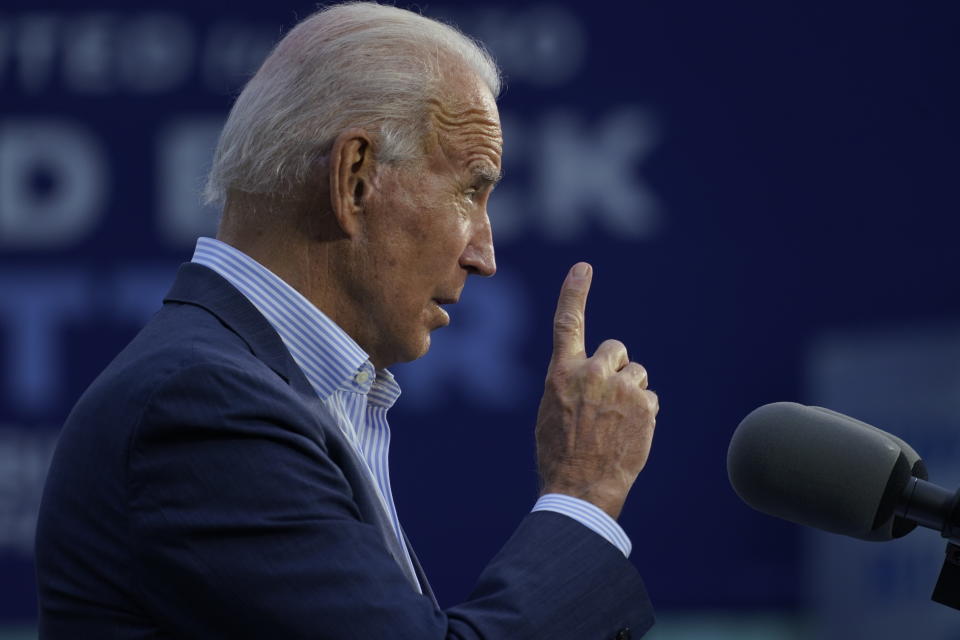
<point x="826" y="470"/>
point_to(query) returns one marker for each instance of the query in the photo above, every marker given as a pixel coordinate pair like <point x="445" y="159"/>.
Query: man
<point x="226" y="475"/>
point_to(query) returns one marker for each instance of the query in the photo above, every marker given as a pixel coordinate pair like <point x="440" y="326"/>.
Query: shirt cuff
<point x="589" y="515"/>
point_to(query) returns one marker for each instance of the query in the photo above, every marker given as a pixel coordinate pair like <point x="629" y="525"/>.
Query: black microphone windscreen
<point x="818" y="468"/>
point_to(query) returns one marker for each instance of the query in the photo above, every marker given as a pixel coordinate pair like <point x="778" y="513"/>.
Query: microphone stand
<point x="934" y="507"/>
<point x="947" y="590"/>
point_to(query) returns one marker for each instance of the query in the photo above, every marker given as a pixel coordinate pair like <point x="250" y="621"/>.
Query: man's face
<point x="426" y="226"/>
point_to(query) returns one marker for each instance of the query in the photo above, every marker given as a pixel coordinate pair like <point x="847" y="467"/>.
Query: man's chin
<point x="423" y="347"/>
<point x="412" y="352"/>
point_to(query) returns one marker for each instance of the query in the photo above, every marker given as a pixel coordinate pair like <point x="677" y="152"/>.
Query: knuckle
<point x="653" y="402"/>
<point x="635" y="370"/>
<point x="626" y="385"/>
<point x="614" y="346"/>
<point x="635" y="376"/>
<point x="595" y="368"/>
<point x="567" y="320"/>
<point x="556" y="380"/>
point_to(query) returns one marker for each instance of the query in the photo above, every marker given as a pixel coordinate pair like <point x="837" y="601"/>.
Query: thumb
<point x="568" y="323"/>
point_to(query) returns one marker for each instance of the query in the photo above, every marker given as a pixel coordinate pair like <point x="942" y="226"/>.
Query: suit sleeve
<point x="244" y="527"/>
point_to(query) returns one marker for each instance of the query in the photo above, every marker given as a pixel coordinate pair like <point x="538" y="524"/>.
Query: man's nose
<point x="478" y="257"/>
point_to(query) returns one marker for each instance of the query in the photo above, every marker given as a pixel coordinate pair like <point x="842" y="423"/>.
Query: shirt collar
<point x="329" y="358"/>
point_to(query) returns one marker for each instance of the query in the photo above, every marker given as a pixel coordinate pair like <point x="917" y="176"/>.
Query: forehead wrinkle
<point x="477" y="141"/>
<point x="479" y="161"/>
<point x="478" y="123"/>
<point x="446" y="116"/>
<point x="473" y="145"/>
<point x="468" y="116"/>
<point x="469" y="135"/>
<point x="470" y="122"/>
<point x="476" y="146"/>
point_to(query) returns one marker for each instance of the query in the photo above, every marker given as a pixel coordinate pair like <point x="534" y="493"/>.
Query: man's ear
<point x="352" y="167"/>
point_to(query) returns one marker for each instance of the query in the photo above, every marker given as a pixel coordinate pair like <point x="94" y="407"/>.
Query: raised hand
<point x="596" y="418"/>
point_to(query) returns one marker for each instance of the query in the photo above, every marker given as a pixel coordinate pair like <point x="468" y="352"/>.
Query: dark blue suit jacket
<point x="200" y="490"/>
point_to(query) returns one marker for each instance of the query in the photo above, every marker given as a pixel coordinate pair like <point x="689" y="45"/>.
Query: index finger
<point x="568" y="322"/>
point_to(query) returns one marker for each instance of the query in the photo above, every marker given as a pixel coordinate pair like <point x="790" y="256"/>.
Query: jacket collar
<point x="203" y="287"/>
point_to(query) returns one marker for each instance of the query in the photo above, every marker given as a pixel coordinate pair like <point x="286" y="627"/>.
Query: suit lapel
<point x="421" y="574"/>
<point x="203" y="287"/>
<point x="365" y="494"/>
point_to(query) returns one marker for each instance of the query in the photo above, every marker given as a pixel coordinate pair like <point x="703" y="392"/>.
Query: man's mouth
<point x="442" y="301"/>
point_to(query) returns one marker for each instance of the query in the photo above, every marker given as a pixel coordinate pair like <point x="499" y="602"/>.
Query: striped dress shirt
<point x="344" y="378"/>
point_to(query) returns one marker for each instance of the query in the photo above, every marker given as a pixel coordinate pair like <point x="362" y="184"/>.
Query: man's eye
<point x="471" y="194"/>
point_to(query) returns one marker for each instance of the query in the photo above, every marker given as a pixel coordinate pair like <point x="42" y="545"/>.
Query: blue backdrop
<point x="767" y="192"/>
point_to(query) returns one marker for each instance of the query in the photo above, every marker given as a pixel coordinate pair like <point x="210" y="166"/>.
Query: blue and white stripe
<point x="589" y="515"/>
<point x="344" y="378"/>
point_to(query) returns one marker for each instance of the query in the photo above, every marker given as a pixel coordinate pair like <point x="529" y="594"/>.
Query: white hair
<point x="354" y="64"/>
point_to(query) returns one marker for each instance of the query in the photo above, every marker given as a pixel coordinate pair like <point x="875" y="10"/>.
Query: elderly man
<point x="226" y="476"/>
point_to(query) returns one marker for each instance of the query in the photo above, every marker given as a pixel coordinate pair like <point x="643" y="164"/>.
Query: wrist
<point x="609" y="499"/>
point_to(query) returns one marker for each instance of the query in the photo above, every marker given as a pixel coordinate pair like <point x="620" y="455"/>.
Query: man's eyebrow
<point x="487" y="174"/>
